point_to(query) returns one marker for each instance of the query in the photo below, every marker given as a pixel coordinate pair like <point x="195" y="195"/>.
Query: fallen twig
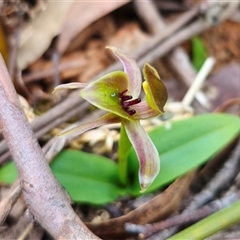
<point x="67" y="62"/>
<point x="52" y="118"/>
<point x="9" y="200"/>
<point x="229" y="103"/>
<point x="153" y="19"/>
<point x="26" y="232"/>
<point x="16" y="41"/>
<point x="198" y="81"/>
<point x="44" y="196"/>
<point x="226" y="175"/>
<point x="180" y="63"/>
<point x="146" y="231"/>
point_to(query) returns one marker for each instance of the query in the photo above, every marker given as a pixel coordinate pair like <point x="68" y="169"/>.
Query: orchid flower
<point x="119" y="94"/>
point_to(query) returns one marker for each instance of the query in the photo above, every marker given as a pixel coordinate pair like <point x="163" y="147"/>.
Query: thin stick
<point x="8" y="202"/>
<point x="153" y="20"/>
<point x="184" y="218"/>
<point x="198" y="81"/>
<point x="26" y="231"/>
<point x="228" y="172"/>
<point x="223" y="178"/>
<point x="44" y="196"/>
<point x="181" y="64"/>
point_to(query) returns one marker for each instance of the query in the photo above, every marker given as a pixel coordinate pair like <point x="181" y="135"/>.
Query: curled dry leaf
<point x="232" y="105"/>
<point x="224" y="85"/>
<point x="103" y="27"/>
<point x="3" y="45"/>
<point x="70" y="66"/>
<point x="94" y="48"/>
<point x="75" y="64"/>
<point x="38" y="33"/>
<point x="81" y="15"/>
<point x="28" y="110"/>
<point x="129" y="37"/>
<point x="159" y="207"/>
<point x="101" y="140"/>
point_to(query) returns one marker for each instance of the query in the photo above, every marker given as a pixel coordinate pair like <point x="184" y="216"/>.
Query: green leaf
<point x="199" y="53"/>
<point x="87" y="177"/>
<point x="186" y="145"/>
<point x="212" y="224"/>
<point x="8" y="173"/>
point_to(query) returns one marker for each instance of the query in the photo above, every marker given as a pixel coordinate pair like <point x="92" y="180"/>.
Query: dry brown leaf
<point x="28" y="110"/>
<point x="81" y="15"/>
<point x="70" y="66"/>
<point x="224" y="85"/>
<point x="159" y="207"/>
<point x="129" y="37"/>
<point x="15" y="231"/>
<point x="38" y="33"/>
<point x="98" y="59"/>
<point x="3" y="45"/>
<point x="104" y="27"/>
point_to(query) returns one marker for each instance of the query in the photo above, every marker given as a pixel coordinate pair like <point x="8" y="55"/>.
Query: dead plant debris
<point x="78" y="41"/>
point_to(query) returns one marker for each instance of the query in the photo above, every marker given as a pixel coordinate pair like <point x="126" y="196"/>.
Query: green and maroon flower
<point x="119" y="94"/>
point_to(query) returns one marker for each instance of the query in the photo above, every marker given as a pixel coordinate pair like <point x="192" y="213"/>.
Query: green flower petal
<point x="155" y="90"/>
<point x="131" y="69"/>
<point x="72" y="85"/>
<point x="147" y="153"/>
<point x="105" y="119"/>
<point x="104" y="93"/>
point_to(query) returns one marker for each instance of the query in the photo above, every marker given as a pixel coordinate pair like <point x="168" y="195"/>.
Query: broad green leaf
<point x="87" y="177"/>
<point x="212" y="224"/>
<point x="199" y="53"/>
<point x="8" y="173"/>
<point x="186" y="145"/>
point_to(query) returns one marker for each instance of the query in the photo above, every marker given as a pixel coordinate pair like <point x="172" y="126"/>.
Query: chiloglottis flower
<point x="119" y="94"/>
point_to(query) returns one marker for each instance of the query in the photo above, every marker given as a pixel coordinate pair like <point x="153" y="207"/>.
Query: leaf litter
<point x="89" y="58"/>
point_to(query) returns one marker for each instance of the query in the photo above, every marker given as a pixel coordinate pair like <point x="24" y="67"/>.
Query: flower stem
<point x="123" y="147"/>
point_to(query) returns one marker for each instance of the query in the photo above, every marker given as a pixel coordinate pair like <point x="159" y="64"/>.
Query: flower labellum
<point x="119" y="94"/>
